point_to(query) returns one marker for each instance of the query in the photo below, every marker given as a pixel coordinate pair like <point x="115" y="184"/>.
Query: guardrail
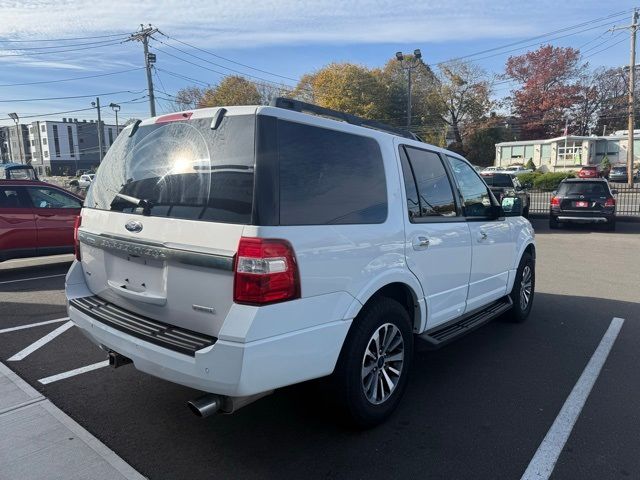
<point x="627" y="199"/>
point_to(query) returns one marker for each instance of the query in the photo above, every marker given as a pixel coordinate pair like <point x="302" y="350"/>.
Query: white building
<point x="63" y="147"/>
<point x="568" y="153"/>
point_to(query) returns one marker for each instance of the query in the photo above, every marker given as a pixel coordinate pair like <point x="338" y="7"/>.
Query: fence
<point x="627" y="199"/>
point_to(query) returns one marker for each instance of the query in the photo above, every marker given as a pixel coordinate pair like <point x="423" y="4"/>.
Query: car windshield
<point x="498" y="180"/>
<point x="181" y="169"/>
<point x="619" y="169"/>
<point x="582" y="188"/>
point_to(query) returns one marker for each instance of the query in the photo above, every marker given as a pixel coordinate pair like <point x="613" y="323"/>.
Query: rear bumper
<point x="232" y="368"/>
<point x="577" y="216"/>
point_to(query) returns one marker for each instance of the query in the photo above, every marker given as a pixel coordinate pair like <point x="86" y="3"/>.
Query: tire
<point x="553" y="223"/>
<point x="611" y="225"/>
<point x="526" y="274"/>
<point x="362" y="407"/>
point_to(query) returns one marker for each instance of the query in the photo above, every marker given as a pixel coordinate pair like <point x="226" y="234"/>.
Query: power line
<point x="50" y="47"/>
<point x="271" y="85"/>
<point x="70" y="79"/>
<point x="64" y="39"/>
<point x="221" y="66"/>
<point x="70" y="97"/>
<point x="228" y="59"/>
<point x="184" y="77"/>
<point x="109" y="44"/>
<point x="538" y="37"/>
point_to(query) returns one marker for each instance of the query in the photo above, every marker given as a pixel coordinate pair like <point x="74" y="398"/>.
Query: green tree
<point x="232" y="90"/>
<point x="530" y="165"/>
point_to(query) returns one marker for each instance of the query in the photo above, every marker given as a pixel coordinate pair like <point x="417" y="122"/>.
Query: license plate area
<point x="581" y="204"/>
<point x="137" y="274"/>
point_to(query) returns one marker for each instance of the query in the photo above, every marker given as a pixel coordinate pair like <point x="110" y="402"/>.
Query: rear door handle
<point x="420" y="243"/>
<point x="482" y="236"/>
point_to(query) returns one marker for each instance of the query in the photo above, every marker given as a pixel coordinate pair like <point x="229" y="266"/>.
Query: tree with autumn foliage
<point x="548" y="87"/>
<point x="232" y="90"/>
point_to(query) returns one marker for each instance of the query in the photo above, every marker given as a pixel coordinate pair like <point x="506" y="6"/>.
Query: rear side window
<point x="424" y="173"/>
<point x="329" y="177"/>
<point x="182" y="169"/>
<point x="11" y="197"/>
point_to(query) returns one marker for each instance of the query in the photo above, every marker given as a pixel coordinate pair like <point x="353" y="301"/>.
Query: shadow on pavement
<point x="477" y="408"/>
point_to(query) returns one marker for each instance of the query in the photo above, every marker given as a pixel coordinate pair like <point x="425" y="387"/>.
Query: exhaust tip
<point x="116" y="360"/>
<point x="205" y="406"/>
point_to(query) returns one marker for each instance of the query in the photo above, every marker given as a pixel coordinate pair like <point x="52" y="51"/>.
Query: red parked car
<point x="36" y="219"/>
<point x="593" y="171"/>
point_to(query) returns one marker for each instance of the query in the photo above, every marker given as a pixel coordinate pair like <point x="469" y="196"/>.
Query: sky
<point x="48" y="46"/>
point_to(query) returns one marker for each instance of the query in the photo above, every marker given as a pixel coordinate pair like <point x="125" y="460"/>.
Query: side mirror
<point x="614" y="192"/>
<point x="512" y="206"/>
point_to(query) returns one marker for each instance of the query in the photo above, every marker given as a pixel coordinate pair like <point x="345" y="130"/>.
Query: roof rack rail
<point x="304" y="107"/>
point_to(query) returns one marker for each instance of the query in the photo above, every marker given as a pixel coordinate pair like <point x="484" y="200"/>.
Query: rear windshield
<point x="619" y="169"/>
<point x="181" y="170"/>
<point x="498" y="180"/>
<point x="583" y="188"/>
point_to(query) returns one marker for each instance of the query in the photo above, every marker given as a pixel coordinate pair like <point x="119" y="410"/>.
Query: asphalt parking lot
<point x="478" y="408"/>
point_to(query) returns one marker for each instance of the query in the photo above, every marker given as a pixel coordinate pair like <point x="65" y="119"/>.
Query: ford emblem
<point x="133" y="226"/>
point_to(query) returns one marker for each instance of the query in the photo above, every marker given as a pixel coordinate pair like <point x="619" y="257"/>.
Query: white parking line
<point x="72" y="373"/>
<point x="32" y="278"/>
<point x="31" y="325"/>
<point x="544" y="461"/>
<point x="43" y="341"/>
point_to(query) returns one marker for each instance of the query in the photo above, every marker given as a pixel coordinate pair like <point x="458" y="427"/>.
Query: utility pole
<point x="96" y="105"/>
<point x="409" y="66"/>
<point x="149" y="59"/>
<point x="631" y="107"/>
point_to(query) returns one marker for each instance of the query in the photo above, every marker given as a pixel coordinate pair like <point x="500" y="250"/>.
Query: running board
<point x="443" y="334"/>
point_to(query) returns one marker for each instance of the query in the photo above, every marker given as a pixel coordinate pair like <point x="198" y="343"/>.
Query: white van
<point x="238" y="250"/>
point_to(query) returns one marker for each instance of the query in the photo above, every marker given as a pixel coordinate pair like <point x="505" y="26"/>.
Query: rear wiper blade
<point x="146" y="205"/>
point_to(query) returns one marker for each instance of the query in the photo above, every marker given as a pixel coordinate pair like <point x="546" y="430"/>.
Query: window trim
<point x="494" y="201"/>
<point x="459" y="217"/>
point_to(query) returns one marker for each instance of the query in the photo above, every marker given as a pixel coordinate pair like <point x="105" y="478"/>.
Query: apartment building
<point x="64" y="147"/>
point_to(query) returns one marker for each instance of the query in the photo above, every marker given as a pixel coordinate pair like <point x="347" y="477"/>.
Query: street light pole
<point x="116" y="108"/>
<point x="96" y="105"/>
<point x="409" y="66"/>
<point x="16" y="119"/>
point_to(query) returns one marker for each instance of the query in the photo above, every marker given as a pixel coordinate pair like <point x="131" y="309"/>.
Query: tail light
<point x="555" y="202"/>
<point x="611" y="202"/>
<point x="266" y="272"/>
<point x="76" y="240"/>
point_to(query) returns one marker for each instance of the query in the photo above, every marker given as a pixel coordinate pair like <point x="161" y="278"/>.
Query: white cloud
<point x="245" y="23"/>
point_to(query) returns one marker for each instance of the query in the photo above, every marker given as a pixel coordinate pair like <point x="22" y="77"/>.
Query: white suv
<point x="238" y="250"/>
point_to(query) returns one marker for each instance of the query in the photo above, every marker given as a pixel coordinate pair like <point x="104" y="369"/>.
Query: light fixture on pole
<point x="409" y="64"/>
<point x="14" y="116"/>
<point x="116" y="108"/>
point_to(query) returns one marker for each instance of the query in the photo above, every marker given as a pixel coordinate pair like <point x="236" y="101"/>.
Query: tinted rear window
<point x="184" y="169"/>
<point x="583" y="188"/>
<point x="329" y="177"/>
<point x="498" y="180"/>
